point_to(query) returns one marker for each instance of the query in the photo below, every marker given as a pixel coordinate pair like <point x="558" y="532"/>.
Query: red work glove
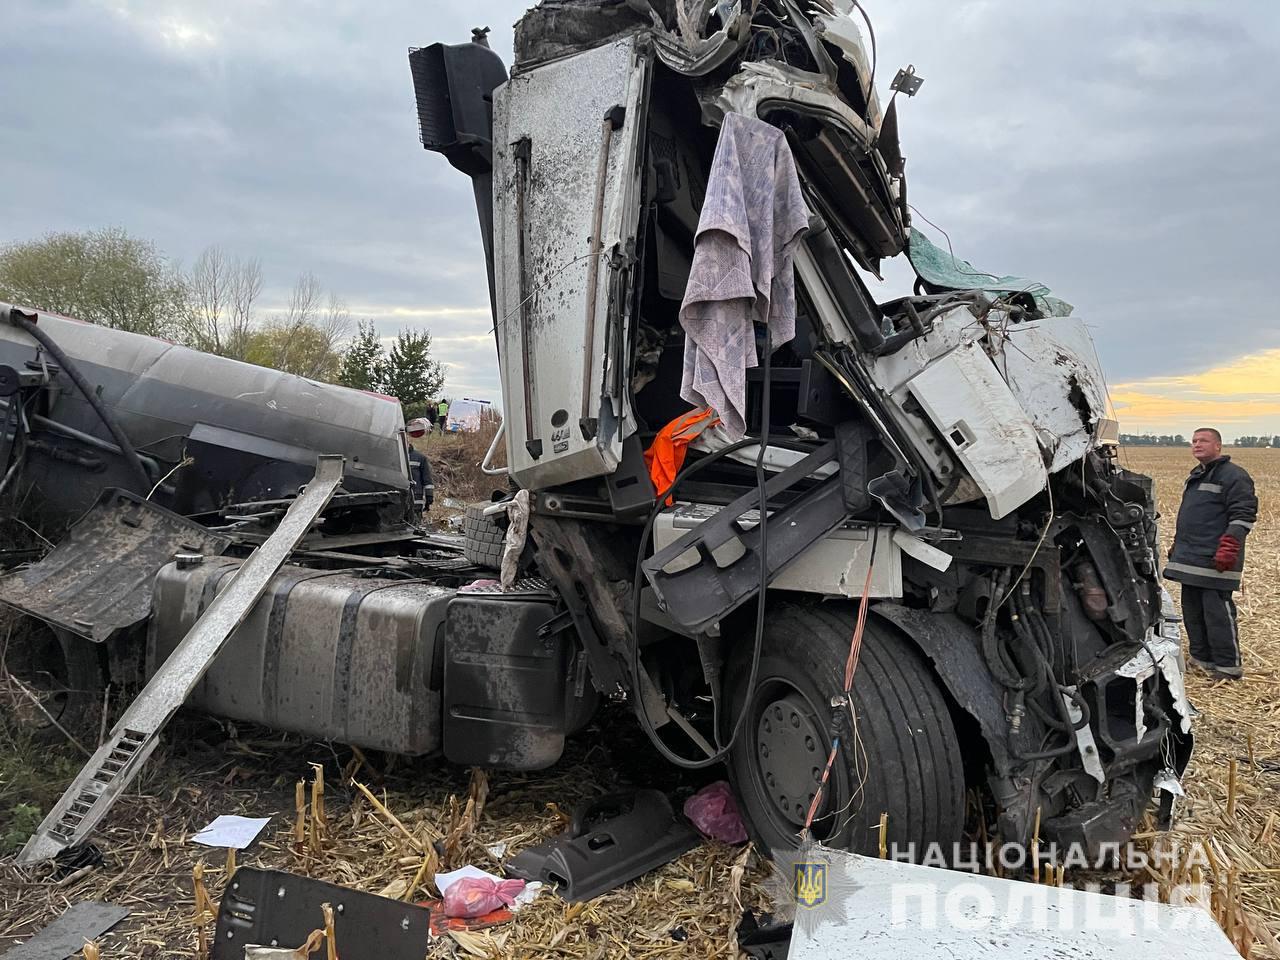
<point x="1228" y="553"/>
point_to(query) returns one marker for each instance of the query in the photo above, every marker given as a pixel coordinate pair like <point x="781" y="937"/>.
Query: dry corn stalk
<point x="1231" y="789"/>
<point x="478" y="791"/>
<point x="300" y="818"/>
<point x="430" y="867"/>
<point x="90" y="951"/>
<point x="391" y="817"/>
<point x="318" y="823"/>
<point x="884" y="835"/>
<point x="330" y="935"/>
<point x="205" y="910"/>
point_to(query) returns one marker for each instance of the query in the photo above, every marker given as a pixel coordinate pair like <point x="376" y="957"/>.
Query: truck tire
<point x="905" y="760"/>
<point x="483" y="539"/>
<point x="64" y="672"/>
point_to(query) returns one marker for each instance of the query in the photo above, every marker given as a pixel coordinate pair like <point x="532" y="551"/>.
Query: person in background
<point x="1218" y="510"/>
<point x="442" y="413"/>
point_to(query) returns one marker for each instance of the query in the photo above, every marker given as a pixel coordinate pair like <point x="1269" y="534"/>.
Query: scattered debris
<point x="229" y="830"/>
<point x="715" y="813"/>
<point x="474" y="896"/>
<point x="762" y="937"/>
<point x="596" y="855"/>
<point x="66" y="936"/>
<point x="272" y="908"/>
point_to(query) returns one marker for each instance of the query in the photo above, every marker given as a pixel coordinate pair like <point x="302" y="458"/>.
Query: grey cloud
<point x="1121" y="152"/>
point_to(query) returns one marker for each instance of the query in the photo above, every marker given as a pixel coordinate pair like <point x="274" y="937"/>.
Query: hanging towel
<point x="753" y="216"/>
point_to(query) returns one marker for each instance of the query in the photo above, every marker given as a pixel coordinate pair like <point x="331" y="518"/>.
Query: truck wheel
<point x="64" y="672"/>
<point x="483" y="539"/>
<point x="904" y="759"/>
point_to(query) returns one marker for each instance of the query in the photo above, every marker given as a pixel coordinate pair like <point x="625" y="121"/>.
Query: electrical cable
<point x="1048" y="487"/>
<point x="845" y="700"/>
<point x="646" y="723"/>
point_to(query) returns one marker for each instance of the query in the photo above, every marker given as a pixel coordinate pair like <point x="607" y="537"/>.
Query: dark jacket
<point x="1218" y="499"/>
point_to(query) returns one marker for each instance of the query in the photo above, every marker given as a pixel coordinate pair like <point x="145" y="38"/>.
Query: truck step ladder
<point x="112" y="768"/>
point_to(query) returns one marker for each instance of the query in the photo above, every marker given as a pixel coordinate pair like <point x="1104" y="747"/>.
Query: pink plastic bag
<point x="714" y="812"/>
<point x="476" y="896"/>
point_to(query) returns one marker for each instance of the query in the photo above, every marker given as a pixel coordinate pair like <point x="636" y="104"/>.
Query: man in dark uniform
<point x="1218" y="510"/>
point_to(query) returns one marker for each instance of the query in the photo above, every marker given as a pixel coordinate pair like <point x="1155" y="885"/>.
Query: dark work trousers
<point x="1210" y="619"/>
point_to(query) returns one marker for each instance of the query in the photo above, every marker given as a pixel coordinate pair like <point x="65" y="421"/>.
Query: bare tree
<point x="305" y="339"/>
<point x="221" y="291"/>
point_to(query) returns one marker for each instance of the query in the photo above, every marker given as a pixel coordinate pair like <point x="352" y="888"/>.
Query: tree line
<point x="111" y="278"/>
<point x="1178" y="440"/>
<point x="1152" y="440"/>
<point x="1258" y="441"/>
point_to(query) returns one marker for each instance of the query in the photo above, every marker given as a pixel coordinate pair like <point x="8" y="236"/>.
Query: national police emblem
<point x="811" y="884"/>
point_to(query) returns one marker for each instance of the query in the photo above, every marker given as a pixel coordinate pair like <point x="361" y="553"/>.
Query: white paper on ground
<point x="231" y="831"/>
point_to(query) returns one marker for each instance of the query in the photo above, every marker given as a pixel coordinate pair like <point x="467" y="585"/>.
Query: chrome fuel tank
<point x="327" y="654"/>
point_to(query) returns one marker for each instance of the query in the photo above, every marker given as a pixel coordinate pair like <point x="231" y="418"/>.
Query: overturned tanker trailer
<point x="870" y="557"/>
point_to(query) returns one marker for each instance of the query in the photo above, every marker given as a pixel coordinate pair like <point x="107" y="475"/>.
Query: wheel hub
<point x="790" y="755"/>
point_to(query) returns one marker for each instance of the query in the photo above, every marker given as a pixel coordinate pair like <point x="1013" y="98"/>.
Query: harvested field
<point x="1240" y="722"/>
<point x="688" y="908"/>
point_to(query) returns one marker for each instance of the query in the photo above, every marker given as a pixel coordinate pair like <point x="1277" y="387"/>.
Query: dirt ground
<point x="688" y="908"/>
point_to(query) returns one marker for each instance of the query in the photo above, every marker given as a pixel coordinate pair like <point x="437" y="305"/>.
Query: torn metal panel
<point x="135" y="736"/>
<point x="97" y="581"/>
<point x="1052" y="368"/>
<point x="837" y="26"/>
<point x="66" y="936"/>
<point x="1168" y="653"/>
<point x="853" y="186"/>
<point x="692" y="52"/>
<point x="984" y="426"/>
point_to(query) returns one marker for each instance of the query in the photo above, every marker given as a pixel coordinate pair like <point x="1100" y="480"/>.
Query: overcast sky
<point x="1124" y="153"/>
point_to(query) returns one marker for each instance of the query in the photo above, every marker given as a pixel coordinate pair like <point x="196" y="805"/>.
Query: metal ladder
<point x="111" y="769"/>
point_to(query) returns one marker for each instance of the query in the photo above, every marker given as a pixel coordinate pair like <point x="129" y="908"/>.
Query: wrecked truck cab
<point x="933" y="478"/>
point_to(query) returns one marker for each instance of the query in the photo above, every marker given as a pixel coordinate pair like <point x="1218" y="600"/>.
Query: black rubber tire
<point x="913" y="769"/>
<point x="483" y="539"/>
<point x="66" y="672"/>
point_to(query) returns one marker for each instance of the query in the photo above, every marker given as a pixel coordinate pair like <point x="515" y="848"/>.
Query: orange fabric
<point x="666" y="454"/>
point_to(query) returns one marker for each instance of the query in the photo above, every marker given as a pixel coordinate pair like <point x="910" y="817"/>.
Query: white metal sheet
<point x="984" y="425"/>
<point x="559" y="109"/>
<point x="1052" y="368"/>
<point x="887" y="910"/>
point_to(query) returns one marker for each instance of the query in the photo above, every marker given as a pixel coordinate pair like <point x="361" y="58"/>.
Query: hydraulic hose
<point x="68" y="366"/>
